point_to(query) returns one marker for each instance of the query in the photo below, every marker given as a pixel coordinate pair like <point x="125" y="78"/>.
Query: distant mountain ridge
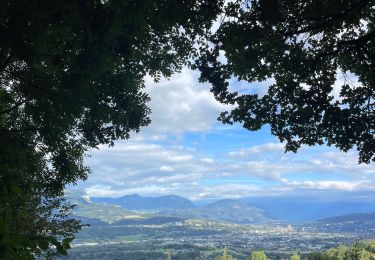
<point x="363" y="223"/>
<point x="137" y="202"/>
<point x="242" y="211"/>
<point x="306" y="209"/>
<point x="357" y="217"/>
<point x="234" y="211"/>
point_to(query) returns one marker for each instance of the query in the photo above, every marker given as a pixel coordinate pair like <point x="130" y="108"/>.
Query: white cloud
<point x="343" y="79"/>
<point x="108" y="191"/>
<point x="332" y="185"/>
<point x="259" y="149"/>
<point x="223" y="191"/>
<point x="207" y="160"/>
<point x="271" y="158"/>
<point x="166" y="169"/>
<point x="133" y="164"/>
<point x="155" y="169"/>
<point x="244" y="87"/>
<point x="181" y="104"/>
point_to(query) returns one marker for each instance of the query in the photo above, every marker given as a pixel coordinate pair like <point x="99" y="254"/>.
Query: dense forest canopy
<point x="72" y="74"/>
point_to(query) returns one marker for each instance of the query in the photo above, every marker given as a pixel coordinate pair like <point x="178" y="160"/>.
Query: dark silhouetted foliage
<point x="318" y="58"/>
<point x="71" y="79"/>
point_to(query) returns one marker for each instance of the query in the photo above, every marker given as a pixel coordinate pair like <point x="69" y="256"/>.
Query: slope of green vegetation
<point x="103" y="211"/>
<point x="362" y="250"/>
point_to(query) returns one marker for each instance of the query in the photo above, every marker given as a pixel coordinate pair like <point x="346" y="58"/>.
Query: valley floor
<point x="203" y="239"/>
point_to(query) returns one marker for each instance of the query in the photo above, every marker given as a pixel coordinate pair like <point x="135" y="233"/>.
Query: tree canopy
<point x="225" y="255"/>
<point x="258" y="255"/>
<point x="360" y="250"/>
<point x="71" y="78"/>
<point x="317" y="59"/>
<point x="295" y="256"/>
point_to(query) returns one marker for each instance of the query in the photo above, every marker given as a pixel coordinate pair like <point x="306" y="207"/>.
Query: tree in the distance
<point x="337" y="253"/>
<point x="71" y="79"/>
<point x="225" y="255"/>
<point x="295" y="256"/>
<point x="319" y="57"/>
<point x="258" y="255"/>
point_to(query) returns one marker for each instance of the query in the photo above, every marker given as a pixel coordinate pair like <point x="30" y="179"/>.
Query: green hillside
<point x="103" y="211"/>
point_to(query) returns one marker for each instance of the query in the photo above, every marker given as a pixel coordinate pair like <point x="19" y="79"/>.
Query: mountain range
<point x="234" y="211"/>
<point x="308" y="208"/>
<point x="136" y="209"/>
<point x="137" y="202"/>
<point x="349" y="218"/>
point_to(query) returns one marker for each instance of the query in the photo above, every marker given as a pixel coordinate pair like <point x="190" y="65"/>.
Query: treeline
<point x="255" y="255"/>
<point x="361" y="250"/>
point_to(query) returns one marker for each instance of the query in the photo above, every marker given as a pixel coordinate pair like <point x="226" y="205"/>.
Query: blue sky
<point x="186" y="151"/>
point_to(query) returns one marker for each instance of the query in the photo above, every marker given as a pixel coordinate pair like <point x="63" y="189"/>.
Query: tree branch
<point x="15" y="106"/>
<point x="5" y="63"/>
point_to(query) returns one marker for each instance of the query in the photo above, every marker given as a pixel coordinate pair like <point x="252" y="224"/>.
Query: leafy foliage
<point x="258" y="255"/>
<point x="295" y="257"/>
<point x="33" y="216"/>
<point x="364" y="250"/>
<point x="320" y="56"/>
<point x="225" y="255"/>
<point x="71" y="79"/>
